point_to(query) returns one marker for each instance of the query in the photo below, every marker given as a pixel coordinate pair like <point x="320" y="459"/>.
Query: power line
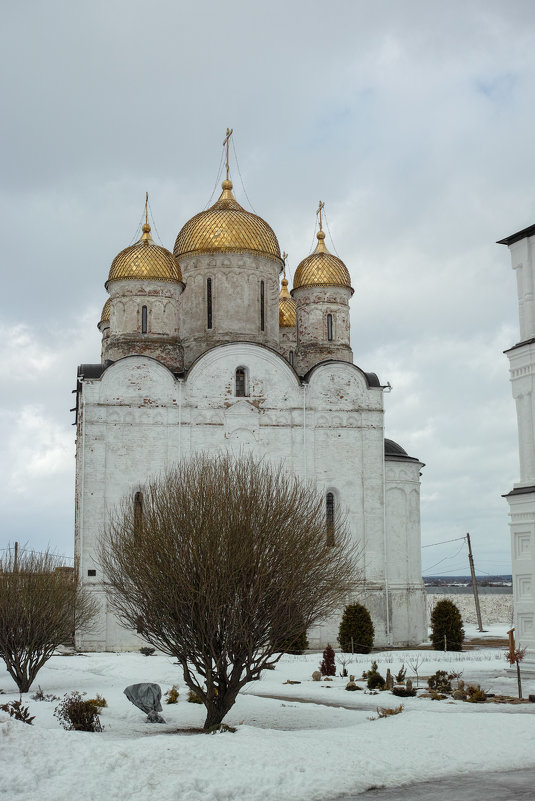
<point x="217" y="177"/>
<point x="457" y="539"/>
<point x="445" y="559"/>
<point x="239" y="173"/>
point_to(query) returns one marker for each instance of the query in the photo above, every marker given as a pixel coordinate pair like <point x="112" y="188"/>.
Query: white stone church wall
<point x="138" y="420"/>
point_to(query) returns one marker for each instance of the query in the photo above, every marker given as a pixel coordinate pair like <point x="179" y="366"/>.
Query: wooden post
<point x="474" y="583"/>
<point x="16" y="557"/>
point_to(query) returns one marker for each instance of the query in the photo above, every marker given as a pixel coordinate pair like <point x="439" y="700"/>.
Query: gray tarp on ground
<point x="147" y="697"/>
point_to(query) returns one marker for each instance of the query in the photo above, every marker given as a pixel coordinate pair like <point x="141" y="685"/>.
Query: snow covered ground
<point x="312" y="740"/>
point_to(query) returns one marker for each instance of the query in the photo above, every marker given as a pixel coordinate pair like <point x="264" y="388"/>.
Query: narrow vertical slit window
<point x="262" y="306"/>
<point x="330" y="327"/>
<point x="330" y="517"/>
<point x="291" y="358"/>
<point x="138" y="513"/>
<point x="208" y="302"/>
<point x="143" y="319"/>
<point x="240" y="383"/>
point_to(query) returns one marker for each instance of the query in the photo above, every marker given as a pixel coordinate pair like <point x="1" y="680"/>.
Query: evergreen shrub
<point x="356" y="624"/>
<point x="295" y="646"/>
<point x="375" y="680"/>
<point x="447" y="632"/>
<point x="439" y="682"/>
<point x="328" y="667"/>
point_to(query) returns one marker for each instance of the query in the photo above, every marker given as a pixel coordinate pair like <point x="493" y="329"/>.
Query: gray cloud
<point x="413" y="121"/>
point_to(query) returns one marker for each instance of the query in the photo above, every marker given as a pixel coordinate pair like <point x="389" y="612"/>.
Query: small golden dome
<point x="145" y="260"/>
<point x="287" y="307"/>
<point x="227" y="227"/>
<point x="321" y="268"/>
<point x="105" y="316"/>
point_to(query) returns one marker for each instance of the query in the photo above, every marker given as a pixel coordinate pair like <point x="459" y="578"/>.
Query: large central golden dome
<point x="321" y="268"/>
<point x="227" y="227"/>
<point x="145" y="260"/>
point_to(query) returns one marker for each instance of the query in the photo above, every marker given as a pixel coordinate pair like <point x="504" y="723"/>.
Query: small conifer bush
<point x="439" y="682"/>
<point x="328" y="666"/>
<point x="296" y="645"/>
<point x="447" y="632"/>
<point x="171" y="696"/>
<point x="356" y="631"/>
<point x="193" y="698"/>
<point x="375" y="680"/>
<point x="99" y="701"/>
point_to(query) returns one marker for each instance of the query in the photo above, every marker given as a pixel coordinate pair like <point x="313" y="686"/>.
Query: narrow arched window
<point x="291" y="358"/>
<point x="138" y="513"/>
<point x="329" y="503"/>
<point x="208" y="302"/>
<point x="262" y="306"/>
<point x="330" y="327"/>
<point x="241" y="382"/>
<point x="143" y="319"/>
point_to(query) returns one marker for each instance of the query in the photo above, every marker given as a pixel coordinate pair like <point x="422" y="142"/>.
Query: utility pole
<point x="474" y="583"/>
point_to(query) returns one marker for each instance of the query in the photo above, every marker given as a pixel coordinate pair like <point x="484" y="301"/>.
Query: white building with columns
<point x="521" y="498"/>
<point x="203" y="351"/>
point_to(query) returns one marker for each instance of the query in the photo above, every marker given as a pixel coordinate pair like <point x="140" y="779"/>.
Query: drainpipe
<point x="385" y="546"/>
<point x="180" y="389"/>
<point x="305" y="430"/>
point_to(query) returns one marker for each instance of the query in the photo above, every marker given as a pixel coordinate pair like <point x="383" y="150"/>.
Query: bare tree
<point x="229" y="559"/>
<point x="41" y="603"/>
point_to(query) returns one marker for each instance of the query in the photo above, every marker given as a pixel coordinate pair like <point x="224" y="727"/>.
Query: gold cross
<point x="146" y="208"/>
<point x="225" y="142"/>
<point x="319" y="211"/>
<point x="284" y="257"/>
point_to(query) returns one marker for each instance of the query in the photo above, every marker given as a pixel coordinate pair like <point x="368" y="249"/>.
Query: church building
<point x="206" y="349"/>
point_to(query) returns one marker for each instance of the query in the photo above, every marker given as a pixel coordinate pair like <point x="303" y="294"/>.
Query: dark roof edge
<point x="521" y="344"/>
<point x="520" y="491"/>
<point x="510" y="240"/>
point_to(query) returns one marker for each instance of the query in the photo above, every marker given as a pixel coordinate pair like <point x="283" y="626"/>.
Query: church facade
<point x="203" y="349"/>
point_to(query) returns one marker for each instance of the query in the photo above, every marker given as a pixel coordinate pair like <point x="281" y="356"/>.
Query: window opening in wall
<point x="330" y="518"/>
<point x="291" y="358"/>
<point x="262" y="306"/>
<point x="241" y="387"/>
<point x="330" y="327"/>
<point x="143" y="319"/>
<point x="208" y="302"/>
<point x="138" y="513"/>
<point x="91" y="572"/>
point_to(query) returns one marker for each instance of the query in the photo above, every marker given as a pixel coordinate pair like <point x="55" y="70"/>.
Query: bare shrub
<point x="41" y="603"/>
<point x="76" y="714"/>
<point x="17" y="711"/>
<point x="229" y="559"/>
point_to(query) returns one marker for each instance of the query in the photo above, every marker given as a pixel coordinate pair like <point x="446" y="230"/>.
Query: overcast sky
<point x="413" y="121"/>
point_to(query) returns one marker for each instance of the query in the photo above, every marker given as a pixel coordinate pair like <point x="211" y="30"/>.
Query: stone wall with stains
<point x="138" y="419"/>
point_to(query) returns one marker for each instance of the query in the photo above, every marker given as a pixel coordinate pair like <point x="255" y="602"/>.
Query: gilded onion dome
<point x="321" y="268"/>
<point x="145" y="260"/>
<point x="105" y="316"/>
<point x="287" y="307"/>
<point x="227" y="227"/>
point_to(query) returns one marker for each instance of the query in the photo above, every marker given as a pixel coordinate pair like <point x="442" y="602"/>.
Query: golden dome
<point x="321" y="268"/>
<point x="105" y="316"/>
<point x="287" y="306"/>
<point x="145" y="260"/>
<point x="227" y="227"/>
